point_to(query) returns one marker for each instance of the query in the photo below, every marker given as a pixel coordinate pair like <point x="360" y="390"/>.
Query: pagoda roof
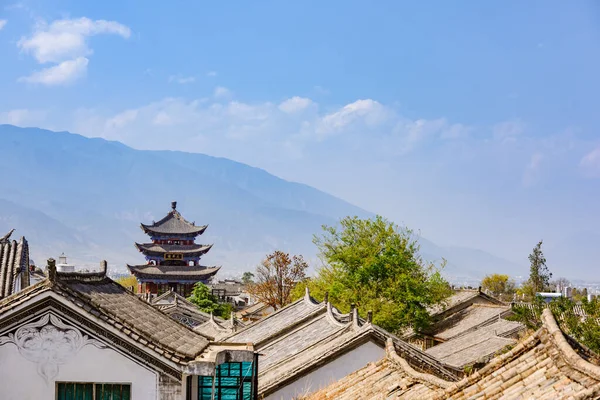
<point x="173" y="223"/>
<point x="175" y="272"/>
<point x="160" y="249"/>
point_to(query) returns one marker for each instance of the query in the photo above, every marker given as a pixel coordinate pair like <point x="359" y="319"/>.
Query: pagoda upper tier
<point x="172" y="256"/>
<point x="173" y="226"/>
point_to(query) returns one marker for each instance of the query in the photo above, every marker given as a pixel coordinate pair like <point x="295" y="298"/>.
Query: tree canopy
<point x="539" y="274"/>
<point x="247" y="278"/>
<point x="276" y="277"/>
<point x="128" y="282"/>
<point x="203" y="298"/>
<point x="375" y="265"/>
<point x="499" y="286"/>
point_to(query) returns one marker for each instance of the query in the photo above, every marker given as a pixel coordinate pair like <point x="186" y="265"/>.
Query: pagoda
<point x="172" y="256"/>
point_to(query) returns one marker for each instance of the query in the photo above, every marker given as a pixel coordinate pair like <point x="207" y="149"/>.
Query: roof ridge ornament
<point x="332" y="317"/>
<point x="6" y="237"/>
<point x="52" y="270"/>
<point x="174" y="205"/>
<point x="307" y="294"/>
<point x="354" y="316"/>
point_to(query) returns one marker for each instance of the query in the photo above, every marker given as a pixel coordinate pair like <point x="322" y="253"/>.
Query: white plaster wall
<point x="331" y="372"/>
<point x="20" y="380"/>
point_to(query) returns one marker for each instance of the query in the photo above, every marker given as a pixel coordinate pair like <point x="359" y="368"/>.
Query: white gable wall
<point x="331" y="372"/>
<point x="20" y="378"/>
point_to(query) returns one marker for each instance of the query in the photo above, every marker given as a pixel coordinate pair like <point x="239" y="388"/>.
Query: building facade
<point x="81" y="335"/>
<point x="172" y="256"/>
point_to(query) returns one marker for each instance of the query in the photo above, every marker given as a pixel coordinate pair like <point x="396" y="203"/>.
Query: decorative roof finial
<point x="173" y="205"/>
<point x="326" y="298"/>
<point x="103" y="267"/>
<point x="52" y="269"/>
<point x="369" y="316"/>
<point x="6" y="237"/>
<point x="306" y="294"/>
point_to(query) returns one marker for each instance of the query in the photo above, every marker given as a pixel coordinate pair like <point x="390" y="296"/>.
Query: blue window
<point x="92" y="391"/>
<point x="232" y="381"/>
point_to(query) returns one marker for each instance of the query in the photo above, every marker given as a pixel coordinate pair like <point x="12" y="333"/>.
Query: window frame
<point x="94" y="387"/>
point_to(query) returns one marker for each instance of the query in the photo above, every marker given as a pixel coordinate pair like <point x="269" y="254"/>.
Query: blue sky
<point x="475" y="122"/>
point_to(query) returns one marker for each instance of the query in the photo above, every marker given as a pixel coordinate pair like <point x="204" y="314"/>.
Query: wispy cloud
<point x="508" y="131"/>
<point x="22" y="117"/>
<point x="222" y="92"/>
<point x="182" y="80"/>
<point x="65" y="43"/>
<point x="295" y="104"/>
<point x="211" y="74"/>
<point x="2" y="23"/>
<point x="591" y="163"/>
<point x="532" y="169"/>
<point x="64" y="73"/>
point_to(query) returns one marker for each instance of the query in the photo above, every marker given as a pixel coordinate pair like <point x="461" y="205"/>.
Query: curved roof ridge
<point x="494" y="364"/>
<point x="390" y="351"/>
<point x="566" y="351"/>
<point x="308" y="299"/>
<point x="333" y="319"/>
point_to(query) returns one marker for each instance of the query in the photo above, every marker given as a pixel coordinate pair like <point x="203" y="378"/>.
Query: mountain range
<point x="87" y="196"/>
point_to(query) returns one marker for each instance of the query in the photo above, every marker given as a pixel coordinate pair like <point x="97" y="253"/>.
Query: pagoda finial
<point x="174" y="205"/>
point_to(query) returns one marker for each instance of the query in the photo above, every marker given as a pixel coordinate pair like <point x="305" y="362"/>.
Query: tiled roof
<point x="543" y="367"/>
<point x="478" y="345"/>
<point x="218" y="328"/>
<point x="174" y="223"/>
<point x="160" y="249"/>
<point x="297" y="338"/>
<point x="276" y="323"/>
<point x="255" y="308"/>
<point x="14" y="260"/>
<point x="466" y="319"/>
<point x="183" y="272"/>
<point x="389" y="378"/>
<point x="101" y="296"/>
<point x="463" y="298"/>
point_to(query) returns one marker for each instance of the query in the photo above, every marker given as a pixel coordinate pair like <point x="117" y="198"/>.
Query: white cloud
<point x="508" y="131"/>
<point x="295" y="104"/>
<point x="368" y="112"/>
<point x="532" y="169"/>
<point x="122" y="119"/>
<point x="292" y="129"/>
<point x="222" y="92"/>
<point x="591" y="163"/>
<point x="64" y="73"/>
<point x="22" y="117"/>
<point x="2" y="23"/>
<point x="182" y="80"/>
<point x="67" y="38"/>
<point x="65" y="43"/>
<point x="211" y="73"/>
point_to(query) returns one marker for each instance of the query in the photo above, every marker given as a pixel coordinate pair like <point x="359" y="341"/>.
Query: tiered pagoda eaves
<point x="172" y="257"/>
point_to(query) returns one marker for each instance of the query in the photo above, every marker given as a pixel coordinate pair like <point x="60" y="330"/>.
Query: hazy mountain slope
<point x="66" y="192"/>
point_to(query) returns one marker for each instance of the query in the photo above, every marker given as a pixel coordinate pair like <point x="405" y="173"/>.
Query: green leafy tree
<point x="128" y="282"/>
<point x="203" y="298"/>
<point x="583" y="328"/>
<point x="247" y="278"/>
<point x="375" y="265"/>
<point x="539" y="274"/>
<point x="499" y="286"/>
